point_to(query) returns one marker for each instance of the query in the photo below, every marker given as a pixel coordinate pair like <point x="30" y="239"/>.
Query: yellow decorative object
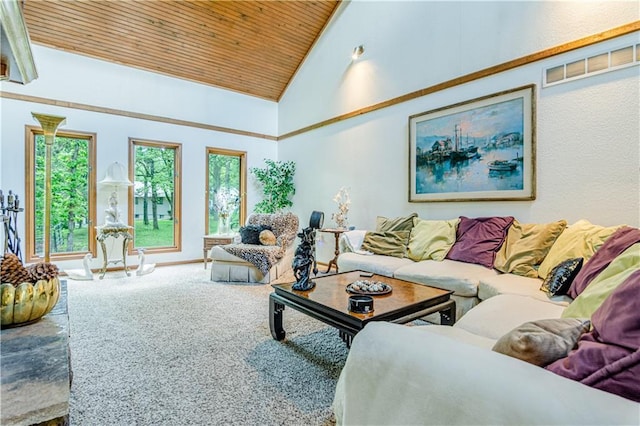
<point x="604" y="284"/>
<point x="432" y="239"/>
<point x="27" y="302"/>
<point x="582" y="239"/>
<point x="526" y="246"/>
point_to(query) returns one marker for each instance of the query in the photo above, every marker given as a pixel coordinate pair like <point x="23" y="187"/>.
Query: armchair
<point x="252" y="263"/>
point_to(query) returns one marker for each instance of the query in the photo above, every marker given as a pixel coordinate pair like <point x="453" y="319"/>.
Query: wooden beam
<point x="130" y="114"/>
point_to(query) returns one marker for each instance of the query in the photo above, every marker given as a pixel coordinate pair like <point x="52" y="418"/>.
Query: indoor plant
<point x="277" y="185"/>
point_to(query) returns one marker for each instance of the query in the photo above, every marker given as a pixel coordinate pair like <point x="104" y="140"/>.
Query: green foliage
<point x="224" y="175"/>
<point x="277" y="185"/>
<point x="69" y="194"/>
<point x="147" y="236"/>
<point x="155" y="171"/>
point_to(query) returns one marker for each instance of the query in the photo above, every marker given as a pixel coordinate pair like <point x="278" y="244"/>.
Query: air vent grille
<point x="597" y="64"/>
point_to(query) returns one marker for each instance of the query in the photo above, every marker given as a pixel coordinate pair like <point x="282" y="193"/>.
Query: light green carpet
<point x="174" y="348"/>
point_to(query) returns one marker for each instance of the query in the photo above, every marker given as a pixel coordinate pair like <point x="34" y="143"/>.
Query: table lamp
<point x="116" y="177"/>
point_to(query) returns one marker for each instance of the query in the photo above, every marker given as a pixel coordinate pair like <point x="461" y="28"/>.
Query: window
<point x="155" y="170"/>
<point x="226" y="187"/>
<point x="73" y="206"/>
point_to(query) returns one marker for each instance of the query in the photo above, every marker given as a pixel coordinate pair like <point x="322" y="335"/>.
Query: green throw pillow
<point x="604" y="284"/>
<point x="389" y="243"/>
<point x="397" y="224"/>
<point x="431" y="239"/>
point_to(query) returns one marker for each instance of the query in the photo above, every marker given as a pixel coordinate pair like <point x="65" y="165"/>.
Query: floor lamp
<point x="49" y="124"/>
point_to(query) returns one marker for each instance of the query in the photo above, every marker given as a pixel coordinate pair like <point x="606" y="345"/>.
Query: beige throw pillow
<point x="431" y="239"/>
<point x="544" y="341"/>
<point x="267" y="238"/>
<point x="526" y="246"/>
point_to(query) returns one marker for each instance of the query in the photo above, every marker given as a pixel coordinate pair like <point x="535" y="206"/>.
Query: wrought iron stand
<point x="9" y="217"/>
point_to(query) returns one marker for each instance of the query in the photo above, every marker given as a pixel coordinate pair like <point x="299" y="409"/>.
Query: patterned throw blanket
<point x="262" y="257"/>
<point x="285" y="228"/>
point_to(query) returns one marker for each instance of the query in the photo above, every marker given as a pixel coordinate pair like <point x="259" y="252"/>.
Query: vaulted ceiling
<point x="252" y="47"/>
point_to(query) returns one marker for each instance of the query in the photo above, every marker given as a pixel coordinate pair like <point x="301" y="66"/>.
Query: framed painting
<point x="478" y="150"/>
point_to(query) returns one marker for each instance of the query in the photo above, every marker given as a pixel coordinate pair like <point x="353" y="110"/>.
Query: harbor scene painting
<point x="477" y="150"/>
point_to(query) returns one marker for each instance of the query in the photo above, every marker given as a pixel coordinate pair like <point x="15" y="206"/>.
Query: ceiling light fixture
<point x="357" y="52"/>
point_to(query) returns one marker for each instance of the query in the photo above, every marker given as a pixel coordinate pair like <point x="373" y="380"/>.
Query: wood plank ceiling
<point x="252" y="47"/>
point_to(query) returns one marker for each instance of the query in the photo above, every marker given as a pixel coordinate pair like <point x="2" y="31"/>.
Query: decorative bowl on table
<point x="26" y="293"/>
<point x="28" y="302"/>
<point x="369" y="287"/>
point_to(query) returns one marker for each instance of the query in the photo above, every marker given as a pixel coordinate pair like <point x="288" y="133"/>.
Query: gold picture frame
<point x="478" y="150"/>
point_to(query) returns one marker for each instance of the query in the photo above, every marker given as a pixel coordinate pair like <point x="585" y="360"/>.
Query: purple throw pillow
<point x="618" y="242"/>
<point x="479" y="239"/>
<point x="608" y="356"/>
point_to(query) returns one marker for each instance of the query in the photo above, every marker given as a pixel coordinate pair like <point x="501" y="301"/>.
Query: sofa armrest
<point x="351" y="241"/>
<point x="407" y="375"/>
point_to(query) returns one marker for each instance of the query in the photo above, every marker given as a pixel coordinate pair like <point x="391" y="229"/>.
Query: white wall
<point x="588" y="154"/>
<point x="588" y="158"/>
<point x="74" y="78"/>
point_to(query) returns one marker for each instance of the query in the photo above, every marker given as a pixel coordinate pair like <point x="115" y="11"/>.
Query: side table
<point x="214" y="240"/>
<point x="336" y="233"/>
<point x="36" y="371"/>
<point x="106" y="232"/>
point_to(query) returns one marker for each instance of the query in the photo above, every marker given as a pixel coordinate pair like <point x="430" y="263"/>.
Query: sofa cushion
<point x="283" y="225"/>
<point x="544" y="341"/>
<point x="498" y="315"/>
<point x="267" y="238"/>
<point x="459" y="277"/>
<point x="431" y="239"/>
<point x="250" y="234"/>
<point x="604" y="284"/>
<point x="582" y="239"/>
<point x="516" y="284"/>
<point x="478" y="239"/>
<point x="608" y="357"/>
<point x="526" y="246"/>
<point x="459" y="334"/>
<point x="389" y="243"/>
<point x="378" y="264"/>
<point x="561" y="276"/>
<point x="396" y="224"/>
<point x="616" y="244"/>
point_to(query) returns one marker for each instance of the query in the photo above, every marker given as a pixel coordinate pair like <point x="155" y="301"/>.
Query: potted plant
<point x="277" y="185"/>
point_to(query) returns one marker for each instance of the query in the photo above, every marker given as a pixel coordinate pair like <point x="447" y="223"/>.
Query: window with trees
<point x="226" y="187"/>
<point x="73" y="206"/>
<point x="155" y="172"/>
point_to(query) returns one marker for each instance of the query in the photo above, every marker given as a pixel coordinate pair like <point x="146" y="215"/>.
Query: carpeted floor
<point x="174" y="348"/>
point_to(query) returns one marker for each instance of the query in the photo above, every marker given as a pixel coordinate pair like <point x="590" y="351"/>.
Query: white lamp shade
<point x="116" y="175"/>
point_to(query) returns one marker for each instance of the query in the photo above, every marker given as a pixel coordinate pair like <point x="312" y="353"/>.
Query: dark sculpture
<point x="305" y="256"/>
<point x="304" y="260"/>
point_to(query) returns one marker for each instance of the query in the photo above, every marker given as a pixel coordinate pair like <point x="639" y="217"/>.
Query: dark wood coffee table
<point x="328" y="301"/>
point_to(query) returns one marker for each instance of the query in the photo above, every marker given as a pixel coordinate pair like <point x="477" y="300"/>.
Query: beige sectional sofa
<point x="470" y="283"/>
<point x="433" y="374"/>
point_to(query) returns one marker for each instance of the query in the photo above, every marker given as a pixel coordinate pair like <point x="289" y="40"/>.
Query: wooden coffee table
<point x="328" y="301"/>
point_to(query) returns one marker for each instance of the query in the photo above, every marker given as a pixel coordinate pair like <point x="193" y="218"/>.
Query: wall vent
<point x="612" y="60"/>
